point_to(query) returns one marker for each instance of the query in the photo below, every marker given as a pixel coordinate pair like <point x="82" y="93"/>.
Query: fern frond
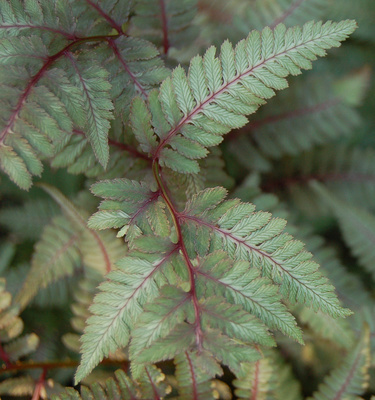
<point x="194" y="373"/>
<point x="102" y="17"/>
<point x="67" y="246"/>
<point x="357" y="227"/>
<point x="135" y="68"/>
<point x="208" y="223"/>
<point x="158" y="320"/>
<point x="13" y="346"/>
<point x="119" y="303"/>
<point x="122" y="387"/>
<point x="347" y="172"/>
<point x="54" y="17"/>
<point x="56" y="255"/>
<point x="337" y="331"/>
<point x="350" y="379"/>
<point x="243" y="286"/>
<point x="131" y="206"/>
<point x="258" y="380"/>
<point x="36" y="117"/>
<point x="63" y="92"/>
<point x="27" y="221"/>
<point x="290" y="12"/>
<point x="362" y="12"/>
<point x="7" y="252"/>
<point x="166" y="23"/>
<point x="218" y="92"/>
<point x="289" y="125"/>
<point x="255" y="236"/>
<point x="349" y="287"/>
<point x="94" y="90"/>
<point x="20" y="386"/>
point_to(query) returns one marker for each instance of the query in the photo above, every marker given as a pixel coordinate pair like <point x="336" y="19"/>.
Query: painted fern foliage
<point x="144" y="206"/>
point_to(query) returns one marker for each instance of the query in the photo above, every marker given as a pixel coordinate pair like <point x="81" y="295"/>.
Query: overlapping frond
<point x="258" y="238"/>
<point x="50" y="94"/>
<point x="349" y="288"/>
<point x="347" y="172"/>
<point x="350" y="379"/>
<point x="293" y="123"/>
<point x="192" y="110"/>
<point x="357" y="226"/>
<point x="51" y="16"/>
<point x="13" y="346"/>
<point x="267" y="379"/>
<point x="102" y="17"/>
<point x="134" y="67"/>
<point x="290" y="12"/>
<point x="166" y="23"/>
<point x="131" y="206"/>
<point x="194" y="373"/>
<point x="27" y="221"/>
<point x="122" y="387"/>
<point x="68" y="246"/>
<point x="56" y="255"/>
<point x="83" y="297"/>
<point x="135" y="281"/>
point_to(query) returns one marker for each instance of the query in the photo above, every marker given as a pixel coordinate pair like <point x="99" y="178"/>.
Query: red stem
<point x="348" y="378"/>
<point x="111" y="21"/>
<point x="155" y="390"/>
<point x="293" y="114"/>
<point x="286" y="14"/>
<point x="181" y="245"/>
<point x="225" y="86"/>
<point x="4" y="356"/>
<point x="122" y="146"/>
<point x="272" y="186"/>
<point x="69" y="36"/>
<point x="194" y="381"/>
<point x="35" y="79"/>
<point x="115" y="49"/>
<point x="254" y="390"/>
<point x="164" y="22"/>
<point x="39" y="385"/>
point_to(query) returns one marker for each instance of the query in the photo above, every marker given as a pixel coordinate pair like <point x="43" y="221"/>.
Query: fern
<point x="346" y="172"/>
<point x="166" y="23"/>
<point x="151" y="385"/>
<point x="177" y="276"/>
<point x="13" y="346"/>
<point x="266" y="379"/>
<point x="217" y="92"/>
<point x="66" y="247"/>
<point x="357" y="227"/>
<point x="289" y="126"/>
<point x="290" y="12"/>
<point x="350" y="379"/>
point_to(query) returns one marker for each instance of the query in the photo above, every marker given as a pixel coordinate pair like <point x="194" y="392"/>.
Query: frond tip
<point x="219" y="91"/>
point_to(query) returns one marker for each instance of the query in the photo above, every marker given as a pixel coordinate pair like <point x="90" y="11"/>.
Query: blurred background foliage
<point x="307" y="156"/>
